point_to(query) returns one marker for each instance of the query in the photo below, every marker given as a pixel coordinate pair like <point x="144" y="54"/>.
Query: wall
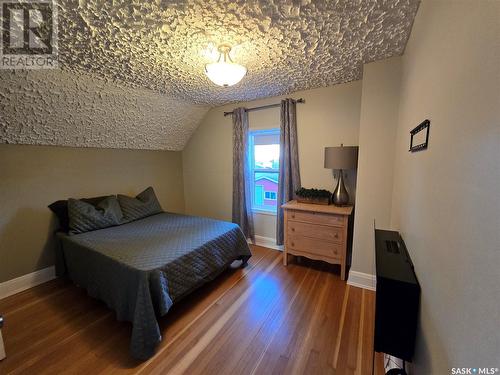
<point x="377" y="136"/>
<point x="329" y="117"/>
<point x="446" y="199"/>
<point x="34" y="176"/>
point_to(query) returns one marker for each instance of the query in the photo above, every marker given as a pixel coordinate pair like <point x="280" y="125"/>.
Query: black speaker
<point x="396" y="371"/>
<point x="397" y="297"/>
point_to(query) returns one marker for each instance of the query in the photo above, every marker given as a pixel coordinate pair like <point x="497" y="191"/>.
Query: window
<point x="264" y="162"/>
<point x="270" y="195"/>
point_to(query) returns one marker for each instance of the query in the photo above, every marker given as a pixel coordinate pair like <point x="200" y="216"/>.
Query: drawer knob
<point x="336" y="235"/>
<point x="293" y="229"/>
<point x="293" y="216"/>
<point x="293" y="244"/>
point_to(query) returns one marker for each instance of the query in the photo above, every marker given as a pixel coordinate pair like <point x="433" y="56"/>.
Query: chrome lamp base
<point x="340" y="195"/>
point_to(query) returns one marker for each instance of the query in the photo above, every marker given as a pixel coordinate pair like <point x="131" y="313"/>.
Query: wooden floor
<point x="264" y="319"/>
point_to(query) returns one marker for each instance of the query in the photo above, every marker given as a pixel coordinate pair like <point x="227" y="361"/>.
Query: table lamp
<point x="341" y="158"/>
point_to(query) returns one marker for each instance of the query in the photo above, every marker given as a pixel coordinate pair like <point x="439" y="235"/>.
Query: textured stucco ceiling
<point x="286" y="45"/>
<point x="132" y="72"/>
<point x="50" y="107"/>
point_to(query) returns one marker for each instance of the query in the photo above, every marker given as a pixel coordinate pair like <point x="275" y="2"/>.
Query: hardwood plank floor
<point x="263" y="319"/>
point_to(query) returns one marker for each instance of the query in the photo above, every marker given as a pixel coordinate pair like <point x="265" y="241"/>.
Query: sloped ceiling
<point x="163" y="46"/>
<point x="59" y="108"/>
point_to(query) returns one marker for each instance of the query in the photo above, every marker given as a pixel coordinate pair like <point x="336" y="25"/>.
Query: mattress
<point x="140" y="269"/>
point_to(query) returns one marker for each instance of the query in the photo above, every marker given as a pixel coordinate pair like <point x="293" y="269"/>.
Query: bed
<point x="141" y="268"/>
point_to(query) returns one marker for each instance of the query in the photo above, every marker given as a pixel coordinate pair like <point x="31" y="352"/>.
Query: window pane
<point x="265" y="153"/>
<point x="266" y="190"/>
<point x="267" y="156"/>
<point x="266" y="137"/>
<point x="259" y="195"/>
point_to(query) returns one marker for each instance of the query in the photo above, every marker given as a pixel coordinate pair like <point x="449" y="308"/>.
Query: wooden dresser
<point x="317" y="232"/>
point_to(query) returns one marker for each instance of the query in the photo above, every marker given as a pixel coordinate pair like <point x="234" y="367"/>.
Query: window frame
<point x="253" y="170"/>
<point x="271" y="193"/>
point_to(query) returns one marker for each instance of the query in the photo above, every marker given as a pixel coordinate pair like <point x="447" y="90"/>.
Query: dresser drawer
<point x="322" y="232"/>
<point x="314" y="246"/>
<point x="315" y="218"/>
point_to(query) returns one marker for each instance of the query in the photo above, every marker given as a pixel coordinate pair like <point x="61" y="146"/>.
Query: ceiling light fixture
<point x="226" y="72"/>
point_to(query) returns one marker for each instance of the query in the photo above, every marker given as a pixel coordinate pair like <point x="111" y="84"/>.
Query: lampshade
<point x="343" y="157"/>
<point x="225" y="73"/>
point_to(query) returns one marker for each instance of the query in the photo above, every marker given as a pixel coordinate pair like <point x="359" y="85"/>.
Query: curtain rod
<point x="301" y="100"/>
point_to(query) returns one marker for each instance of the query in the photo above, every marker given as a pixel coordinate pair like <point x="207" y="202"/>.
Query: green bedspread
<point x="141" y="268"/>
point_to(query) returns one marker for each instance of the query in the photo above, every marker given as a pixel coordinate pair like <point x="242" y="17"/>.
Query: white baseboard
<point x="30" y="280"/>
<point x="267" y="242"/>
<point x="362" y="280"/>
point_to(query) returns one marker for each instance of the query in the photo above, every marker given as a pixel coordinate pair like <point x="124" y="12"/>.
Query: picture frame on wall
<point x="419" y="136"/>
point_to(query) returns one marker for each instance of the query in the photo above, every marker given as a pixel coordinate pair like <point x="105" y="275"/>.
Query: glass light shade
<point x="225" y="73"/>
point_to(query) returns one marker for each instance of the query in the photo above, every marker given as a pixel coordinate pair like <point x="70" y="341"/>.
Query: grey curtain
<point x="242" y="211"/>
<point x="289" y="179"/>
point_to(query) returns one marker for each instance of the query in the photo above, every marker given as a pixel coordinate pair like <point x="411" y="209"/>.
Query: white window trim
<point x="257" y="211"/>
<point x="253" y="170"/>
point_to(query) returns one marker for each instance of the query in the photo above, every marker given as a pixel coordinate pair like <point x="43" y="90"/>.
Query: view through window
<point x="264" y="158"/>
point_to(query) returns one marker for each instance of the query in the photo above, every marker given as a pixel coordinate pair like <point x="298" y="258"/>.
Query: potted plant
<point x="314" y="196"/>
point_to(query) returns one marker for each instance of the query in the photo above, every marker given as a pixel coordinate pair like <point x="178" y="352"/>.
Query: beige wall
<point x="377" y="136"/>
<point x="34" y="176"/>
<point x="329" y="117"/>
<point x="446" y="199"/>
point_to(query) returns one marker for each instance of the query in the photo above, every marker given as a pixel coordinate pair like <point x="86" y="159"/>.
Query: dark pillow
<point x="84" y="217"/>
<point x="60" y="208"/>
<point x="145" y="204"/>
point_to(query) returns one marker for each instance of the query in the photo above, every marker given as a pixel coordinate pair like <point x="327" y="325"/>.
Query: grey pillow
<point x="84" y="217"/>
<point x="145" y="204"/>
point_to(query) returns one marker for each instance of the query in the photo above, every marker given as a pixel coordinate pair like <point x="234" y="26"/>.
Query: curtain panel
<point x="289" y="177"/>
<point x="242" y="210"/>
